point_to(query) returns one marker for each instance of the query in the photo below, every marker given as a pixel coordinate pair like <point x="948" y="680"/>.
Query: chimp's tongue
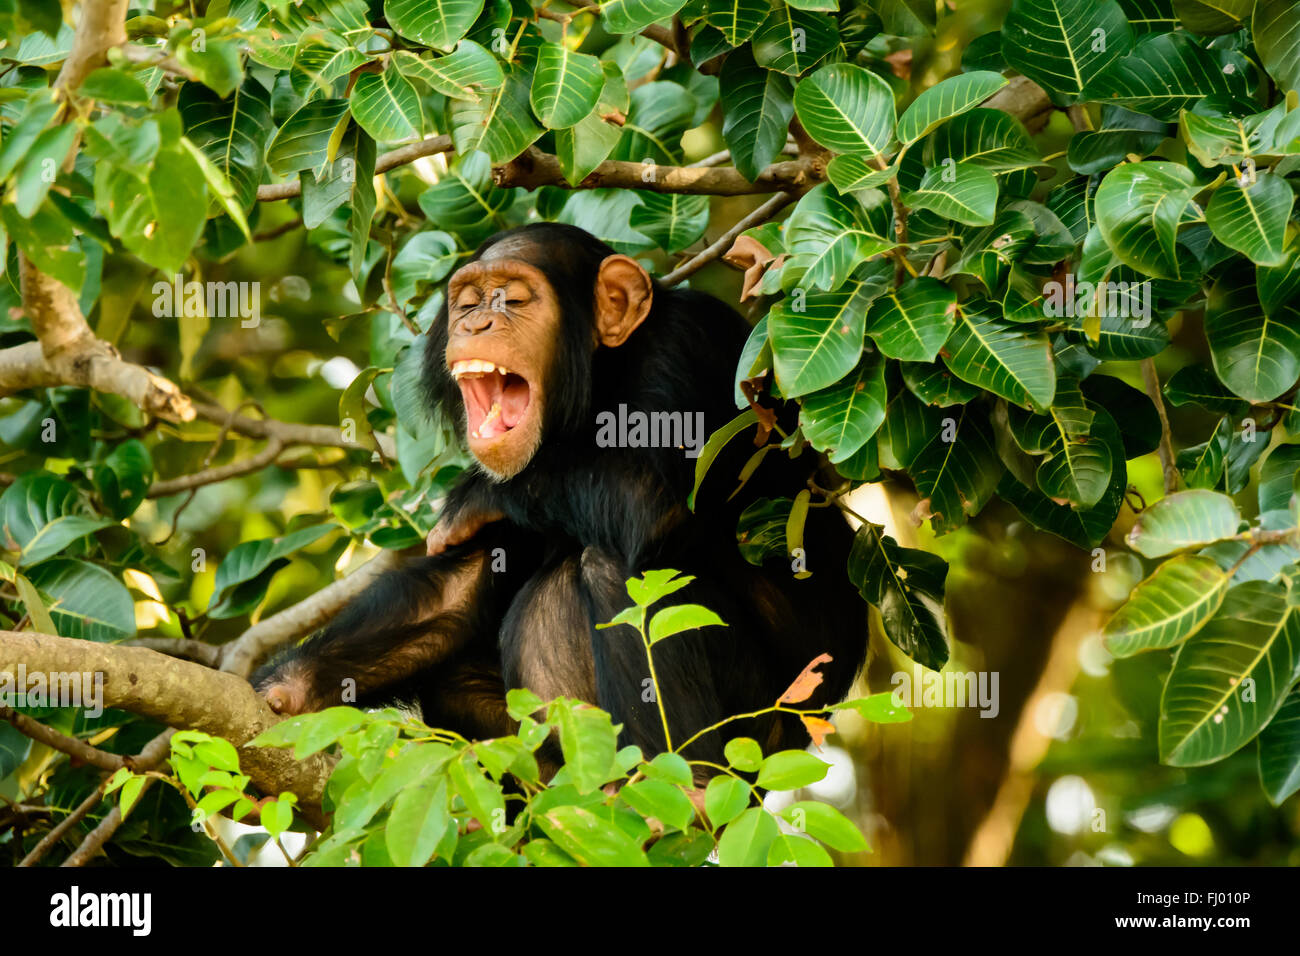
<point x="494" y="402"/>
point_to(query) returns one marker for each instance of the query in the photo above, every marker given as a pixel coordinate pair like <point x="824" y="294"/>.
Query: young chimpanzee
<point x="545" y="329"/>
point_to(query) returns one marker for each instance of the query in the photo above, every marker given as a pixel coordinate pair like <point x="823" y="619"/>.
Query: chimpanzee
<point x="543" y="330"/>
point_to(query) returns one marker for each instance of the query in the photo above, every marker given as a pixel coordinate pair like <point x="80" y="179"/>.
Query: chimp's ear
<point x="623" y="296"/>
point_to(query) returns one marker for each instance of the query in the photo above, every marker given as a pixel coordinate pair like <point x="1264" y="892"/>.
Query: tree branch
<point x="179" y="694"/>
<point x="390" y="160"/>
<point x="760" y="215"/>
<point x="77" y="749"/>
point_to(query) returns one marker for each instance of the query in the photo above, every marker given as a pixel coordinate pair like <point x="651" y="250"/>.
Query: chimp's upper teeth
<point x="476" y="367"/>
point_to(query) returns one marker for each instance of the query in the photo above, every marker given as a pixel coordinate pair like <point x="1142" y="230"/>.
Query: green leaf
<point x="57" y="535"/>
<point x="793" y="41"/>
<point x="989" y="138"/>
<point x="944" y="100"/>
<point x="1275" y="28"/>
<point x="748" y="838"/>
<point x="672" y="221"/>
<point x="304" y="141"/>
<point x="1256" y="354"/>
<point x="679" y="618"/>
<point x="790" y="848"/>
<point x="463" y="74"/>
<point x="90" y="602"/>
<point x="1062" y="45"/>
<point x="717" y="441"/>
<point x="232" y="132"/>
<point x="879" y="708"/>
<point x="1123" y="132"/>
<point x="960" y="191"/>
<point x="1139" y="208"/>
<point x="1164" y="74"/>
<point x="725" y="798"/>
<point x="1202" y="465"/>
<point x="744" y="754"/>
<point x="386" y="106"/>
<point x="435" y="23"/>
<point x="913" y="323"/>
<point x="847" y="109"/>
<point x="1252" y="218"/>
<point x="566" y="85"/>
<point x="1007" y="359"/>
<point x="1213" y="17"/>
<point x="1230" y="679"/>
<point x="907" y="586"/>
<point x="830" y="235"/>
<point x="1277" y="478"/>
<point x="841" y="419"/>
<point x="757" y="106"/>
<point x="1184" y="520"/>
<point x="417" y="823"/>
<point x="498" y="123"/>
<point x="827" y="824"/>
<point x="247" y="561"/>
<point x="957" y="471"/>
<point x="589" y="839"/>
<point x="633" y="16"/>
<point x="663" y="801"/>
<point x="588" y="741"/>
<point x="1279" y="751"/>
<point x="1168" y="607"/>
<point x="814" y="348"/>
<point x="790" y="770"/>
<point x="737" y="19"/>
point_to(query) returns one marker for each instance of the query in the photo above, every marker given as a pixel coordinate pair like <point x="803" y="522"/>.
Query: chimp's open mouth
<point x="496" y="399"/>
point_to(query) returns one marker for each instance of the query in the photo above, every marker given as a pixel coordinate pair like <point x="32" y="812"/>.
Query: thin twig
<point x="1152" y="380"/>
<point x="77" y="749"/>
<point x="760" y="215"/>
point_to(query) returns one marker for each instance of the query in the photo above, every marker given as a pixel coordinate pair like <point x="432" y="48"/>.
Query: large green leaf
<point x="583" y="147"/>
<point x="842" y="418"/>
<point x="1123" y="133"/>
<point x="90" y="603"/>
<point x="1078" y="466"/>
<point x="963" y="192"/>
<point x="1007" y="359"/>
<point x="1064" y="44"/>
<point x="757" y="106"/>
<point x="957" y="471"/>
<point x="1279" y="751"/>
<point x="847" y="109"/>
<point x="386" y="106"/>
<point x="566" y="85"/>
<point x="658" y="114"/>
<point x="1276" y="30"/>
<point x="462" y="74"/>
<point x="793" y="41"/>
<point x="1229" y="679"/>
<point x="906" y="585"/>
<point x="670" y="220"/>
<point x="989" y="138"/>
<point x="813" y="347"/>
<point x="1139" y="208"/>
<point x="497" y="123"/>
<point x="1257" y="354"/>
<point x="946" y="99"/>
<point x="632" y="16"/>
<point x="435" y="23"/>
<point x="1184" y="520"/>
<point x="304" y="141"/>
<point x="737" y="19"/>
<point x="1168" y="607"/>
<point x="831" y="235"/>
<point x="1213" y="17"/>
<point x="1165" y="73"/>
<point x="1252" y="218"/>
<point x="232" y="132"/>
<point x="913" y="322"/>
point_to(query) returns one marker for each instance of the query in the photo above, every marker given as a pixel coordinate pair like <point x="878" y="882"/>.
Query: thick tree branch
<point x="179" y="694"/>
<point x="287" y="432"/>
